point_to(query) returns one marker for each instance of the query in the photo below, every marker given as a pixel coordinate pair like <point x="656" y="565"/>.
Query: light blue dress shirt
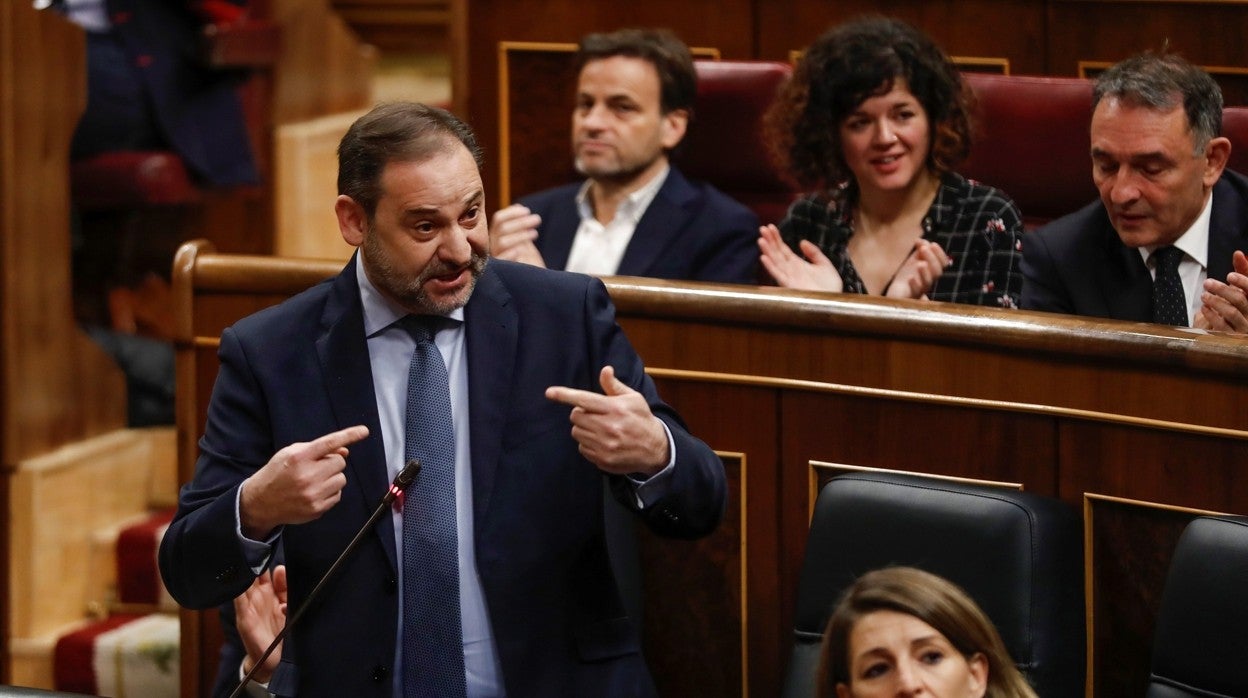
<point x="390" y="350"/>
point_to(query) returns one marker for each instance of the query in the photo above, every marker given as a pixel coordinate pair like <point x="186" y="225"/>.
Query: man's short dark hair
<point x="1159" y="81"/>
<point x="678" y="81"/>
<point x="395" y="132"/>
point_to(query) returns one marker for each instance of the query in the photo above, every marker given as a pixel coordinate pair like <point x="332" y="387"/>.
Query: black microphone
<point x="401" y="482"/>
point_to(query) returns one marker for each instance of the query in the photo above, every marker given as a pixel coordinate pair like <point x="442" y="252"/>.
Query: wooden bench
<point x="1138" y="426"/>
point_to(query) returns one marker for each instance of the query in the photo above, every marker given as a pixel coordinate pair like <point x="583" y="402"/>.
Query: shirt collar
<point x="379" y="311"/>
<point x="634" y="205"/>
<point x="1194" y="242"/>
<point x="91" y="15"/>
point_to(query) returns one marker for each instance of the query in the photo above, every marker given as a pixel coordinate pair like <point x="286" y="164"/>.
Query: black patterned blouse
<point x="979" y="227"/>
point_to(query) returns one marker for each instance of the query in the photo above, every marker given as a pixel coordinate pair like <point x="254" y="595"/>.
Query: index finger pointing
<point x="573" y="397"/>
<point x="333" y="441"/>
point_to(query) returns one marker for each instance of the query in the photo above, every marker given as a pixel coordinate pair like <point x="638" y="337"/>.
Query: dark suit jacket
<point x="301" y="369"/>
<point x="1078" y="265"/>
<point x="195" y="107"/>
<point x="690" y="232"/>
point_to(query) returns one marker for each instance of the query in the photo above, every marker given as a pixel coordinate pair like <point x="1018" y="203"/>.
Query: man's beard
<point x="620" y="170"/>
<point x="409" y="292"/>
<point x="616" y="172"/>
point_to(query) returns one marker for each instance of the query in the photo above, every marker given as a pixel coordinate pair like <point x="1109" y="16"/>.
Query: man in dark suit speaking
<point x="636" y="213"/>
<point x="512" y="385"/>
<point x="1164" y="244"/>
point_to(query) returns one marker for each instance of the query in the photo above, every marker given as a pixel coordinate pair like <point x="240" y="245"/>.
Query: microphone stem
<point x="290" y="622"/>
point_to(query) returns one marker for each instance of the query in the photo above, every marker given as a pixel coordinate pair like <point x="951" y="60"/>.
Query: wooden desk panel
<point x="1065" y="406"/>
<point x="1140" y="426"/>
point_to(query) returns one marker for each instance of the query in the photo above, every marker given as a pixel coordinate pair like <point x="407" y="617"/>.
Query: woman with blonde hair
<point x="901" y="631"/>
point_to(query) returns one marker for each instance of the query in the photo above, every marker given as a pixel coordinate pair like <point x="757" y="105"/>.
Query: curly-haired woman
<point x="874" y="120"/>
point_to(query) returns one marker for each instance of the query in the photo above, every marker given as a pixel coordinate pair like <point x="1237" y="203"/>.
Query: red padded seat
<point x="131" y="180"/>
<point x="74" y="653"/>
<point x="1031" y="142"/>
<point x="1235" y="127"/>
<point x="138" y="579"/>
<point x="725" y="145"/>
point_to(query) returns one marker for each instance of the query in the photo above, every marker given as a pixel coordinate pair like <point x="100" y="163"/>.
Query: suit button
<point x="380" y="672"/>
<point x="392" y="584"/>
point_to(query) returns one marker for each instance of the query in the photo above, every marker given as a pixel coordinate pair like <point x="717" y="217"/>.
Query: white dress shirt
<point x="91" y="15"/>
<point x="1194" y="268"/>
<point x="597" y="249"/>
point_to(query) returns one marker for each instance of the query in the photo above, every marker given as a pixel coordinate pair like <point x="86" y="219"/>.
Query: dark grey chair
<point x="1018" y="555"/>
<point x="1200" y="645"/>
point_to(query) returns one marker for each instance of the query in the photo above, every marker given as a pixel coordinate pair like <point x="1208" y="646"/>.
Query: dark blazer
<point x="195" y="108"/>
<point x="301" y="369"/>
<point x="690" y="232"/>
<point x="1078" y="265"/>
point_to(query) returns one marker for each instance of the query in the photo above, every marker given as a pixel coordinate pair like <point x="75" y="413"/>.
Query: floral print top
<point x="978" y="226"/>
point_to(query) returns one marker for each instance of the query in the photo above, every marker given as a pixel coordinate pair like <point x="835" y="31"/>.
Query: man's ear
<point x="1217" y="152"/>
<point x="352" y="221"/>
<point x="673" y="127"/>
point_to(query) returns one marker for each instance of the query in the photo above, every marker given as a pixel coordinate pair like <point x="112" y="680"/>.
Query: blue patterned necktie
<point x="433" y="646"/>
<point x="1169" y="304"/>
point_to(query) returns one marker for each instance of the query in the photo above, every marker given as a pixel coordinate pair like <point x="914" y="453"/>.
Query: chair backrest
<point x="1018" y="555"/>
<point x="1235" y="127"/>
<point x="725" y="143"/>
<point x="1200" y="645"/>
<point x="1031" y="142"/>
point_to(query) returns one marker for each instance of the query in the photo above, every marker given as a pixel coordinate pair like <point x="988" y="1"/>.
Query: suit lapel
<point x="1228" y="229"/>
<point x="557" y="232"/>
<point x="1125" y="282"/>
<point x="343" y="353"/>
<point x="664" y="220"/>
<point x="492" y="330"/>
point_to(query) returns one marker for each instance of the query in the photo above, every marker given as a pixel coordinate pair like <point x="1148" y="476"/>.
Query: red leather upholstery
<point x="1031" y="142"/>
<point x="1235" y="127"/>
<point x="131" y="179"/>
<point x="1031" y="139"/>
<point x="725" y="143"/>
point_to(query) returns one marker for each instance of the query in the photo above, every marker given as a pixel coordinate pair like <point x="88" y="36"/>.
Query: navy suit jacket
<point x="690" y="232"/>
<point x="195" y="106"/>
<point x="1078" y="265"/>
<point x="301" y="369"/>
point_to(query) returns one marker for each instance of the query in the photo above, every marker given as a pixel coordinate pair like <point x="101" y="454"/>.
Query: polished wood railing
<point x="1139" y="426"/>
